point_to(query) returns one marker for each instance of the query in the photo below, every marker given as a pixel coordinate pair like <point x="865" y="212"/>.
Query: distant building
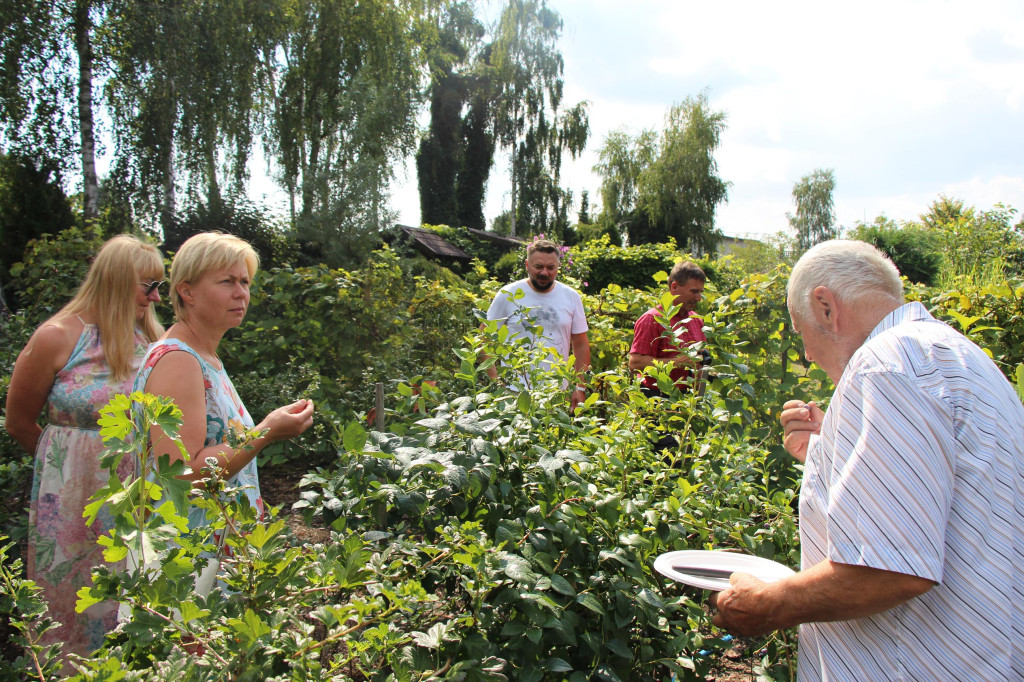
<point x="431" y="244"/>
<point x="481" y="244"/>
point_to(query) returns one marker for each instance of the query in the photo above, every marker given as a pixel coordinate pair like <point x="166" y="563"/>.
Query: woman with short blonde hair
<point x="73" y="365"/>
<point x="208" y="251"/>
<point x="210" y="278"/>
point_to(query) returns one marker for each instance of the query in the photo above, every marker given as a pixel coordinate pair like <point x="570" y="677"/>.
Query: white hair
<point x="852" y="270"/>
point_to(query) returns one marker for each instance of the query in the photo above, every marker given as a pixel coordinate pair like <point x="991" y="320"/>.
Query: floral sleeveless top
<point x="224" y="412"/>
<point x="85" y="384"/>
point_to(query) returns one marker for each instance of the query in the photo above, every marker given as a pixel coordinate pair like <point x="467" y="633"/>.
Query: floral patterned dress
<point x="224" y="411"/>
<point x="61" y="549"/>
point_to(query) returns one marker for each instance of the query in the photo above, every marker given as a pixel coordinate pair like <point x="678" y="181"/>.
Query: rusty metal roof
<point x="432" y="244"/>
<point x="511" y="242"/>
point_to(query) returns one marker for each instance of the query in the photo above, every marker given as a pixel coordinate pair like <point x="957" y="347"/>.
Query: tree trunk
<point x="214" y="200"/>
<point x="83" y="45"/>
<point x="512" y="224"/>
<point x="169" y="207"/>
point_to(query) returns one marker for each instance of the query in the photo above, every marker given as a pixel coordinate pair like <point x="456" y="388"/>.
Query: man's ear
<point x="824" y="309"/>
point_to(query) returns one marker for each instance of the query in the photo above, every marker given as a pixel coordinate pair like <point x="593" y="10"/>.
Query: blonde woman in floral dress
<point x="73" y="365"/>
<point x="210" y="278"/>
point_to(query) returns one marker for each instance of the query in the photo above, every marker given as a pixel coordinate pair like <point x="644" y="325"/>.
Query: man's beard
<point x="541" y="287"/>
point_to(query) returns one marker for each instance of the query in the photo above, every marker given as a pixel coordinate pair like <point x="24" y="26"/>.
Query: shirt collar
<point x="908" y="312"/>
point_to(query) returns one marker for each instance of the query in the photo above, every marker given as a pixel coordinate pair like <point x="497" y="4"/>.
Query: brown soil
<point x="279" y="487"/>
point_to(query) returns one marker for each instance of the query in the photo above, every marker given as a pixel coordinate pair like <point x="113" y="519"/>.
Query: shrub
<point x="632" y="267"/>
<point x="242" y="218"/>
<point x="330" y="335"/>
<point x="32" y="203"/>
<point x="912" y="249"/>
<point x="53" y="268"/>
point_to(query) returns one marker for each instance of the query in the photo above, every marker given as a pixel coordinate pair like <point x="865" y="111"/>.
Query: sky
<point x="905" y="100"/>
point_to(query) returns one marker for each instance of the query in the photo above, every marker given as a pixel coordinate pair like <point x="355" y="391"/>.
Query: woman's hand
<point x="288" y="421"/>
<point x="800" y="421"/>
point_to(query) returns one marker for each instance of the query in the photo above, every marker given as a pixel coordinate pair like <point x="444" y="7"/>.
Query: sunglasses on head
<point x="152" y="286"/>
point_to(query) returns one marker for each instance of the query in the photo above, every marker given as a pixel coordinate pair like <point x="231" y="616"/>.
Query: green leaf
<point x="261" y="534"/>
<point x="517" y="568"/>
<point x="433" y="638"/>
<point x="189" y="612"/>
<point x="87" y="596"/>
<point x="619" y="648"/>
<point x="249" y="628"/>
<point x="588" y="600"/>
<point x="354" y="437"/>
<point x="433" y="423"/>
<point x="557" y="665"/>
<point x="561" y="585"/>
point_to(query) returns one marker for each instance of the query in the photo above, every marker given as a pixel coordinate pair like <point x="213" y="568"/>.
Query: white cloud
<point x="905" y="99"/>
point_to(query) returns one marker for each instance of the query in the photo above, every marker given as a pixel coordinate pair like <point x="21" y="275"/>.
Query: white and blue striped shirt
<point x="919" y="469"/>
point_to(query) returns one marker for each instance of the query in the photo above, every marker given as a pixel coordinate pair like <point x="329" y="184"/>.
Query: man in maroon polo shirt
<point x="650" y="340"/>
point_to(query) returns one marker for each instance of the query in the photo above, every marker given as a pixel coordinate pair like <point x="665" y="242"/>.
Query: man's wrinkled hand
<point x="742" y="609"/>
<point x="800" y="421"/>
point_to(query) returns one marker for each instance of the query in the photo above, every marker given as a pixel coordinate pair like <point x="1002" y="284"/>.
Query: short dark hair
<point x="544" y="246"/>
<point x="684" y="271"/>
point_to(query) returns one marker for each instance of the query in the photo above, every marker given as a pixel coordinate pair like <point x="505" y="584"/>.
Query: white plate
<point x="696" y="567"/>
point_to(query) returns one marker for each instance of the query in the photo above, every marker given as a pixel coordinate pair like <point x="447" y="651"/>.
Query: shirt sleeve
<point x="499" y="308"/>
<point x="891" y="478"/>
<point x="579" y="316"/>
<point x="645" y="332"/>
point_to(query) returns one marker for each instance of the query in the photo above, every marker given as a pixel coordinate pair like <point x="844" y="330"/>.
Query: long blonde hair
<point x="108" y="293"/>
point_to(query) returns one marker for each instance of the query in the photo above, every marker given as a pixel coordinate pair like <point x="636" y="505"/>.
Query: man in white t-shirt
<point x="912" y="502"/>
<point x="554" y="307"/>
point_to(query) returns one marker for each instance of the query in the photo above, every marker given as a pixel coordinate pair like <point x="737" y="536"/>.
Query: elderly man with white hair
<point x="912" y="502"/>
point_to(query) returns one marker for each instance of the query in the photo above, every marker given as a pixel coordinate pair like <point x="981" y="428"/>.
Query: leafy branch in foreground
<point x="23" y="616"/>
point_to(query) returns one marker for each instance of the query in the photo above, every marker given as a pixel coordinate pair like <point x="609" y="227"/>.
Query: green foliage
<point x="23" y="621"/>
<point x="815" y="216"/>
<point x="632" y="267"/>
<point x="509" y="267"/>
<point x="279" y="610"/>
<point x="912" y="248"/>
<point x="53" y="268"/>
<point x="660" y="187"/>
<point x="978" y="247"/>
<point x="569" y="512"/>
<point x="485" y="533"/>
<point x="345" y="101"/>
<point x="758" y="358"/>
<point x="455" y="153"/>
<point x="991" y="315"/>
<point x="330" y="335"/>
<point x="587" y="232"/>
<point x="529" y="117"/>
<point x="16" y="465"/>
<point x="183" y="82"/>
<point x="622" y="160"/>
<point x="680" y="189"/>
<point x="242" y="218"/>
<point x="32" y="203"/>
<point x="37" y="79"/>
